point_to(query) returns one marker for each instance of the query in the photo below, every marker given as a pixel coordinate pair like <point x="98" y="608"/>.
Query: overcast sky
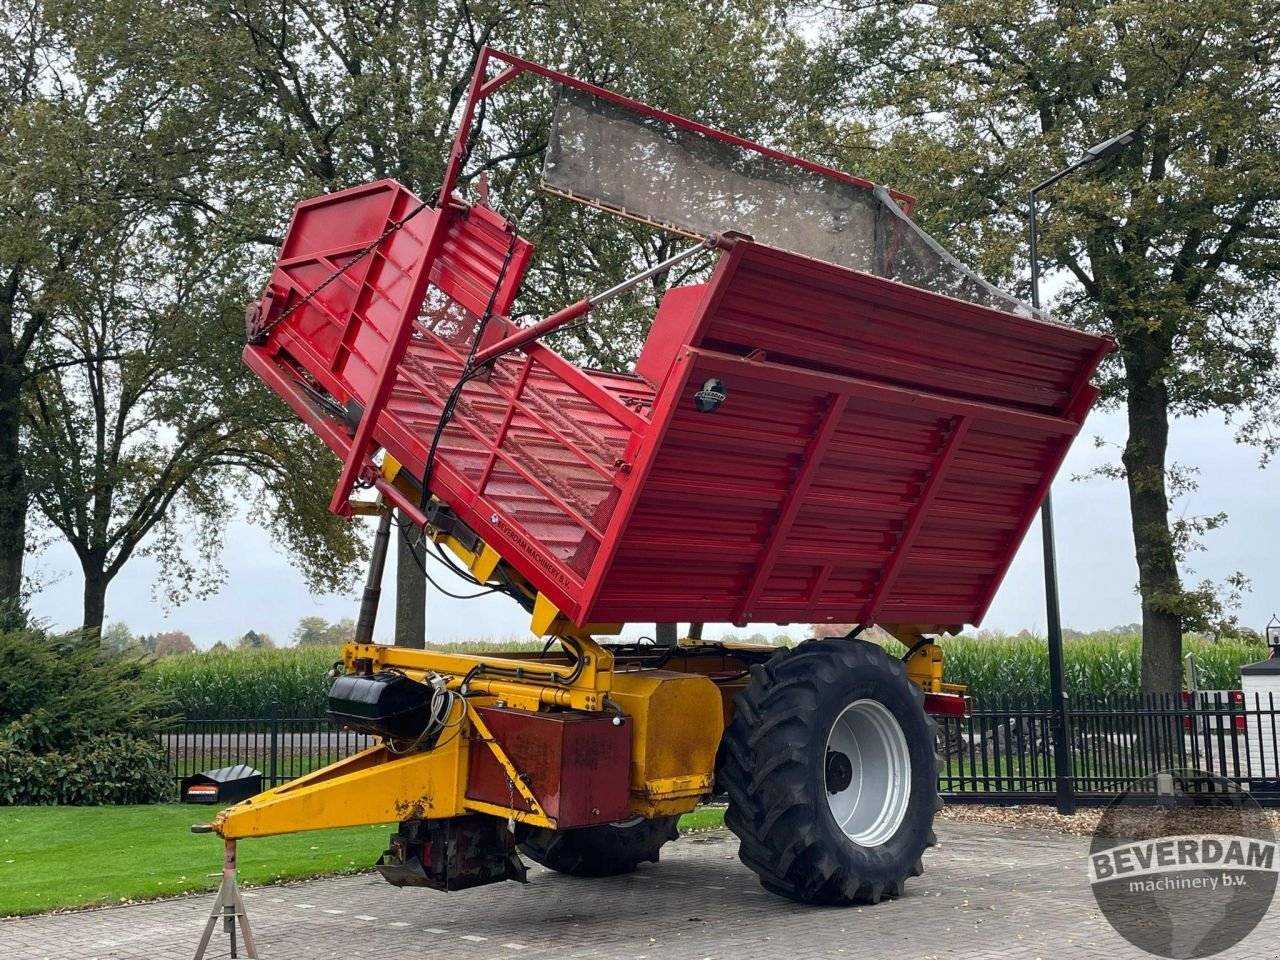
<point x="1097" y="572"/>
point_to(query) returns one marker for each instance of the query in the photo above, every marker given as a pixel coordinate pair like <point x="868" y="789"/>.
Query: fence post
<point x="1064" y="779"/>
<point x="275" y="732"/>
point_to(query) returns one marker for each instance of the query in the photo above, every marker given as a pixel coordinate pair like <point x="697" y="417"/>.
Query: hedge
<point x="114" y="769"/>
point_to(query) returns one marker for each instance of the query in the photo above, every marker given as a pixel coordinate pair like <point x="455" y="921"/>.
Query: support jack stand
<point x="227" y="907"/>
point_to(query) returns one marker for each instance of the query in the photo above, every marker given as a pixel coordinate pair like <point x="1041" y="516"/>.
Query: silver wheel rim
<point x="867" y="772"/>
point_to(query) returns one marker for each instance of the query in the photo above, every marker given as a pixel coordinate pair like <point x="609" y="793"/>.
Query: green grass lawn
<point x="706" y="818"/>
<point x="79" y="856"/>
<point x="83" y="856"/>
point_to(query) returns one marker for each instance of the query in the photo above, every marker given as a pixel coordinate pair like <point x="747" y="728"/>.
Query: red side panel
<point x="879" y="458"/>
<point x="341" y="333"/>
<point x="476" y="247"/>
<point x="818" y="316"/>
<point x="670" y="331"/>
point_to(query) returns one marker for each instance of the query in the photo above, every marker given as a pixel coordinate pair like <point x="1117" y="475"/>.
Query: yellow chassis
<point x="671" y="770"/>
<point x="677" y="718"/>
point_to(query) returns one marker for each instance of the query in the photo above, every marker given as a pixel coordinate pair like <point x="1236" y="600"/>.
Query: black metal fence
<point x="283" y="748"/>
<point x="1002" y="753"/>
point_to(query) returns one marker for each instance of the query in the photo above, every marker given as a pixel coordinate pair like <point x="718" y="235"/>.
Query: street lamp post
<point x="1064" y="791"/>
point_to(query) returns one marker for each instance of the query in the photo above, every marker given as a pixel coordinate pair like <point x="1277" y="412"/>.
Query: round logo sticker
<point x="1183" y="864"/>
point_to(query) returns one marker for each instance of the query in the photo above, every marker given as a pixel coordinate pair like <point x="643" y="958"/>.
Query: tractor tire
<point x="603" y="851"/>
<point x="831" y="773"/>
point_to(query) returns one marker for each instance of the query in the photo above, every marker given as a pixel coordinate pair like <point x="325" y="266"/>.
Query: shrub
<point x="113" y="769"/>
<point x="77" y="725"/>
<point x="59" y="692"/>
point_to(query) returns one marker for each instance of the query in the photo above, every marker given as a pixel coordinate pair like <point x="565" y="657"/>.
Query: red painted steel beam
<point x="408" y="314"/>
<point x="912" y="525"/>
<point x="643" y="449"/>
<point x="524" y="337"/>
<point x="586" y="386"/>
<point x="729" y="365"/>
<point x="501" y="80"/>
<point x="358" y="455"/>
<point x="286" y="386"/>
<point x="361" y="443"/>
<point x="811" y="459"/>
<point x="458" y="155"/>
<point x="1057" y="456"/>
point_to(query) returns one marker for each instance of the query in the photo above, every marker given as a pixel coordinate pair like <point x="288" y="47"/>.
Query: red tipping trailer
<point x="865" y="450"/>
<point x="833" y="421"/>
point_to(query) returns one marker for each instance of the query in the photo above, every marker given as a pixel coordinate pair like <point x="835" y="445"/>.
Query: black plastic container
<point x="383" y="704"/>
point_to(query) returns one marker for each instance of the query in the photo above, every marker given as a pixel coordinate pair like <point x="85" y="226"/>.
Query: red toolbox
<point x="578" y="765"/>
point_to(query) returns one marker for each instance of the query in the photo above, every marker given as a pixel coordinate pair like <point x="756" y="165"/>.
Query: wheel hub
<point x="839" y="771"/>
<point x="868" y="773"/>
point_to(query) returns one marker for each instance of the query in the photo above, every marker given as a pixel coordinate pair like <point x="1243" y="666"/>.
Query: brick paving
<point x="988" y="892"/>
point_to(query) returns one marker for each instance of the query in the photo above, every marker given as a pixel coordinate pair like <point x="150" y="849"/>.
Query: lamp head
<point x="1109" y="148"/>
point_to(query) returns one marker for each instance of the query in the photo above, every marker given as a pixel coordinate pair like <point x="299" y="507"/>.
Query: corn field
<point x="1099" y="665"/>
<point x="242" y="684"/>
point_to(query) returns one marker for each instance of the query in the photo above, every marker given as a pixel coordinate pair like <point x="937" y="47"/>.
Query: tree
<point x="1173" y="249"/>
<point x="41" y="200"/>
<point x="311" y="632"/>
<point x="77" y="727"/>
<point x="121" y="300"/>
<point x="117" y="638"/>
<point x="318" y="632"/>
<point x="342" y="631"/>
<point x="411" y="586"/>
<point x="319" y="95"/>
<point x="315" y="96"/>
<point x="255" y="641"/>
<point x="143" y="434"/>
<point x="172" y="643"/>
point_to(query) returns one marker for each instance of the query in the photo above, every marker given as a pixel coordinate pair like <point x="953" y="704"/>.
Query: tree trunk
<point x="13" y="491"/>
<point x="95" y="600"/>
<point x="1158" y="582"/>
<point x="411" y="595"/>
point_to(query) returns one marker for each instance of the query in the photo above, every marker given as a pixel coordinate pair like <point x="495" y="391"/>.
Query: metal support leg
<point x="373" y="584"/>
<point x="227" y="907"/>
